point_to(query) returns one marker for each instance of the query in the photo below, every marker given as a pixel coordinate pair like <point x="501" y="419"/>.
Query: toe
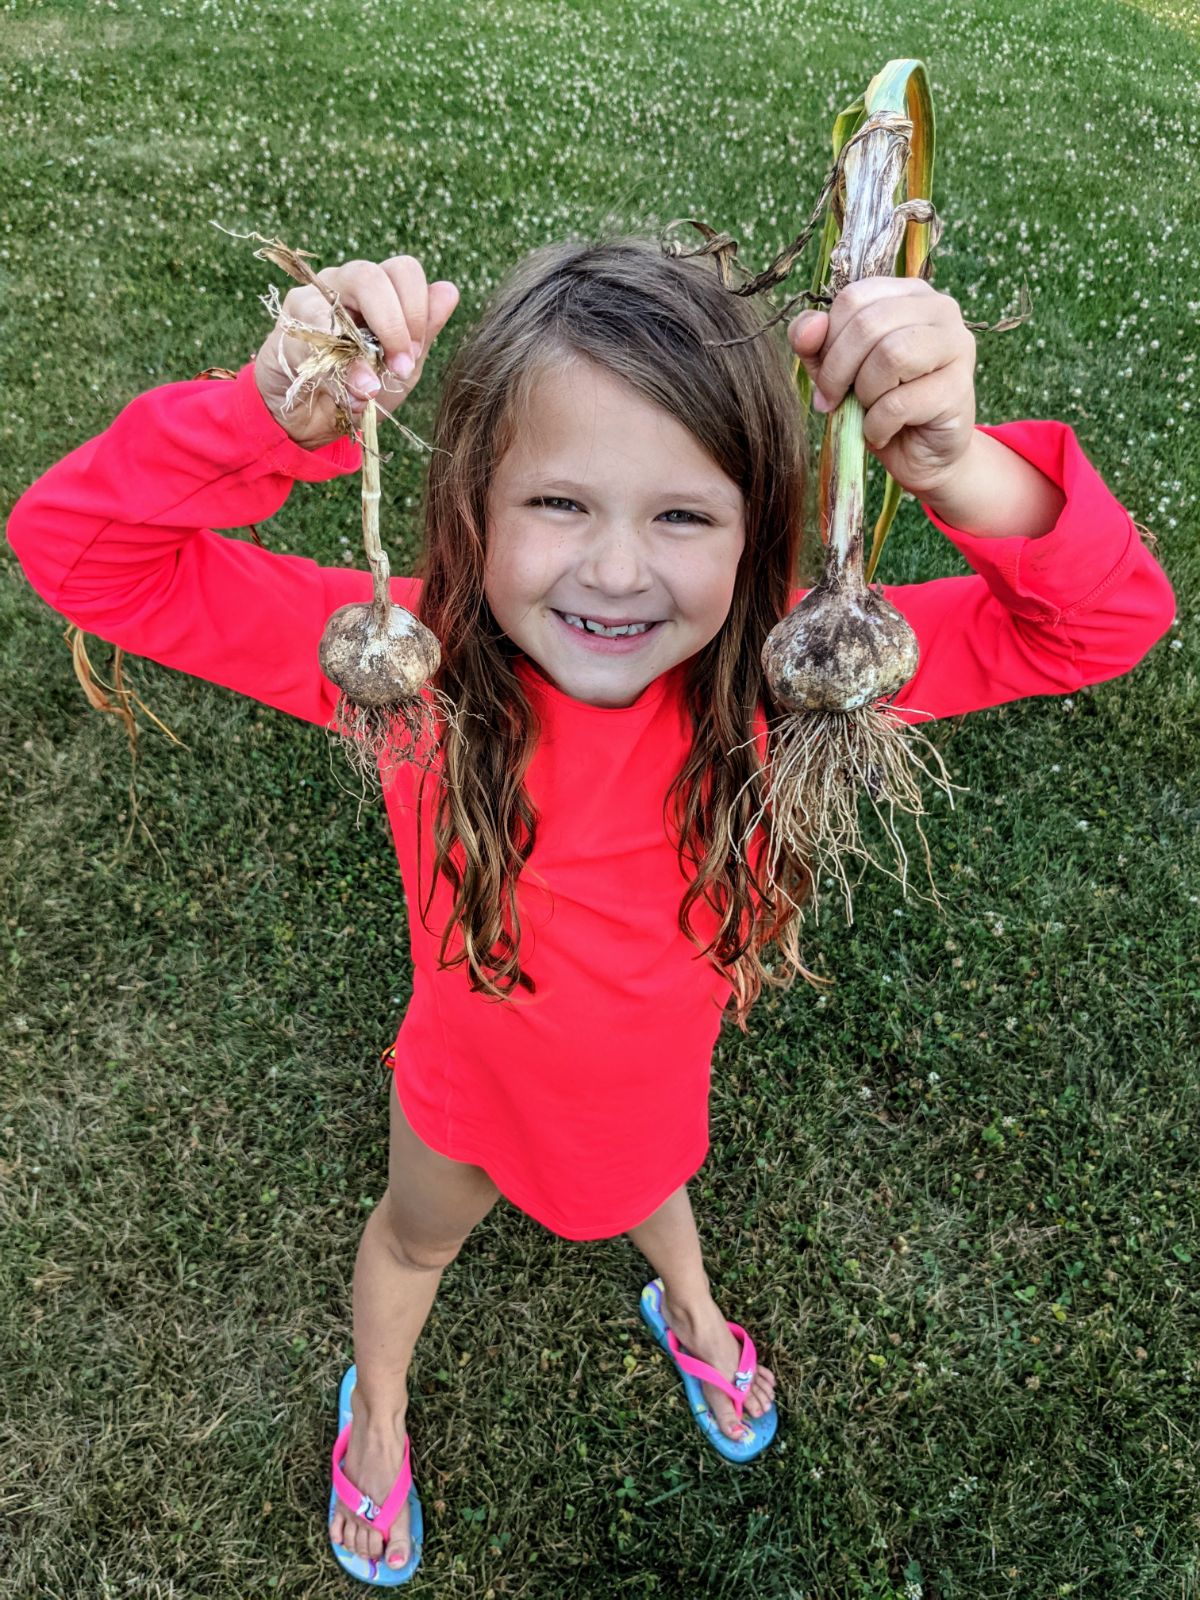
<point x="341" y="1527"/>
<point x="726" y="1417"/>
<point x="397" y="1547"/>
<point x="397" y="1552"/>
<point x="367" y="1542"/>
<point x="762" y="1392"/>
<point x="358" y="1539"/>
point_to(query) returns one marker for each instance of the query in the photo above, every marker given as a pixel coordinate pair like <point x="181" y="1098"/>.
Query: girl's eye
<point x="554" y="501"/>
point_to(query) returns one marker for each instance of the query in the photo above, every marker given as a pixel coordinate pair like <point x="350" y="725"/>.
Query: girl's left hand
<point x="904" y="350"/>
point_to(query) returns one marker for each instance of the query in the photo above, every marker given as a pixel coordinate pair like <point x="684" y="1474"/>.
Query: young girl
<point x="612" y="518"/>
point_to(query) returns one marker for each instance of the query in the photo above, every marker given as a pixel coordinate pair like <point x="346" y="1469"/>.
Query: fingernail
<point x="402" y="365"/>
<point x="369" y="386"/>
<point x="416" y="351"/>
<point x="819" y="402"/>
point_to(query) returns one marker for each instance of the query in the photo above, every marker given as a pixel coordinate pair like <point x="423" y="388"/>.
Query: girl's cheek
<point x="520" y="566"/>
<point x="708" y="582"/>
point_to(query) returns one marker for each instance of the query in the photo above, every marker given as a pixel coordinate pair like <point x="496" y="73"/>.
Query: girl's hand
<point x="393" y="301"/>
<point x="904" y="350"/>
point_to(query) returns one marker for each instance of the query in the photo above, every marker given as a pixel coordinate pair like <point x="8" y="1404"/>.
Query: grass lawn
<point x="955" y="1200"/>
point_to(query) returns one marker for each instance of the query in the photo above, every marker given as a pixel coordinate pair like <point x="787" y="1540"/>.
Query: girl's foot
<point x="703" y="1333"/>
<point x="373" y="1457"/>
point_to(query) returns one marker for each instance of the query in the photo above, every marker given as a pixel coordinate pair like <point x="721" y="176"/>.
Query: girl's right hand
<point x="393" y="301"/>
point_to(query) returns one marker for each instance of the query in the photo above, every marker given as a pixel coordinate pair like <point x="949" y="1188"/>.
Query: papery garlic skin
<point x="839" y="649"/>
<point x="373" y="666"/>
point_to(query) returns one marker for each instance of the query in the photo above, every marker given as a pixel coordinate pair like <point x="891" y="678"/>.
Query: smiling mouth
<point x="621" y="630"/>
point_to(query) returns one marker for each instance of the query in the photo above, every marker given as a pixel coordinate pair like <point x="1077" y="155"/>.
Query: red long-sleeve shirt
<point x="588" y="1101"/>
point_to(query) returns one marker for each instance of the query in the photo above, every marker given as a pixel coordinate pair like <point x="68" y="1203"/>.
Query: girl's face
<point x="607" y="509"/>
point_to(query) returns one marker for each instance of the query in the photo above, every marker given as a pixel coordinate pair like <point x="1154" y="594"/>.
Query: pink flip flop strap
<point x="380" y="1517"/>
<point x="746" y="1368"/>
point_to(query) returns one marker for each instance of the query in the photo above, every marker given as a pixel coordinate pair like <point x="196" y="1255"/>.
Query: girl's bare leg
<point x="669" y="1241"/>
<point x="413" y="1234"/>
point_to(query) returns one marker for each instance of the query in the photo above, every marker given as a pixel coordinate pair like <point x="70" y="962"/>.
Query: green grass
<point x="955" y="1200"/>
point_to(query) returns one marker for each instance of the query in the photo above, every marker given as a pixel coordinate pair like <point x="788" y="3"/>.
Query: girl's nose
<point x="614" y="563"/>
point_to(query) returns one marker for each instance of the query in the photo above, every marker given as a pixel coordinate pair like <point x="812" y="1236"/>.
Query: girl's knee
<point x="414" y="1257"/>
<point x="419" y="1243"/>
<point x="432" y="1202"/>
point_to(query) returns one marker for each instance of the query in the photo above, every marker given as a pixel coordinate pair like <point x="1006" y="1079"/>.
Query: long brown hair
<point x="644" y="315"/>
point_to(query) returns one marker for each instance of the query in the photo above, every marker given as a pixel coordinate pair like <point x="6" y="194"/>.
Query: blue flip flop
<point x="373" y="1572"/>
<point x="759" y="1430"/>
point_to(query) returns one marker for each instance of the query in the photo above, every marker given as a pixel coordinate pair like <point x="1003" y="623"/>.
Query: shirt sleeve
<point x="119" y="538"/>
<point x="1081" y="604"/>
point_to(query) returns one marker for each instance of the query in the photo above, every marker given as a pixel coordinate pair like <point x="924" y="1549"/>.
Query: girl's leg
<point x="669" y="1241"/>
<point x="413" y="1234"/>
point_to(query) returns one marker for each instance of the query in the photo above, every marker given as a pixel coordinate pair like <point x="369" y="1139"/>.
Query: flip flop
<point x="760" y="1430"/>
<point x="381" y="1516"/>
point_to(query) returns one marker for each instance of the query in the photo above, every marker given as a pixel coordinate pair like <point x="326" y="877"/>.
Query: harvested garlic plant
<point x="381" y="658"/>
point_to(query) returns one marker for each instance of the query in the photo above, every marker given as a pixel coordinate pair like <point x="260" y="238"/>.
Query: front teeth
<point x="589" y="626"/>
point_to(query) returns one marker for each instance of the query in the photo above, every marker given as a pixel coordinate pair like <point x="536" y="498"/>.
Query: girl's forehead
<point x="580" y="421"/>
<point x="571" y="394"/>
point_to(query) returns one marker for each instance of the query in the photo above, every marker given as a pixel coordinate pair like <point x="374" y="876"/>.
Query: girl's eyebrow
<point x="697" y="496"/>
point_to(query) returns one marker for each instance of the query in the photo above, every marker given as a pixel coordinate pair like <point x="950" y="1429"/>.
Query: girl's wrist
<point x="994" y="493"/>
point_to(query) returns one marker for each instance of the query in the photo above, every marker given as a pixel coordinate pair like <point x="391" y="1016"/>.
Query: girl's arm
<point x="117" y="536"/>
<point x="1047" y="615"/>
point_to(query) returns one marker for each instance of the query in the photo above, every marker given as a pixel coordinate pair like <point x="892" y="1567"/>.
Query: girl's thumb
<point x="808" y="331"/>
<point x="807" y="334"/>
<point x="443" y="298"/>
